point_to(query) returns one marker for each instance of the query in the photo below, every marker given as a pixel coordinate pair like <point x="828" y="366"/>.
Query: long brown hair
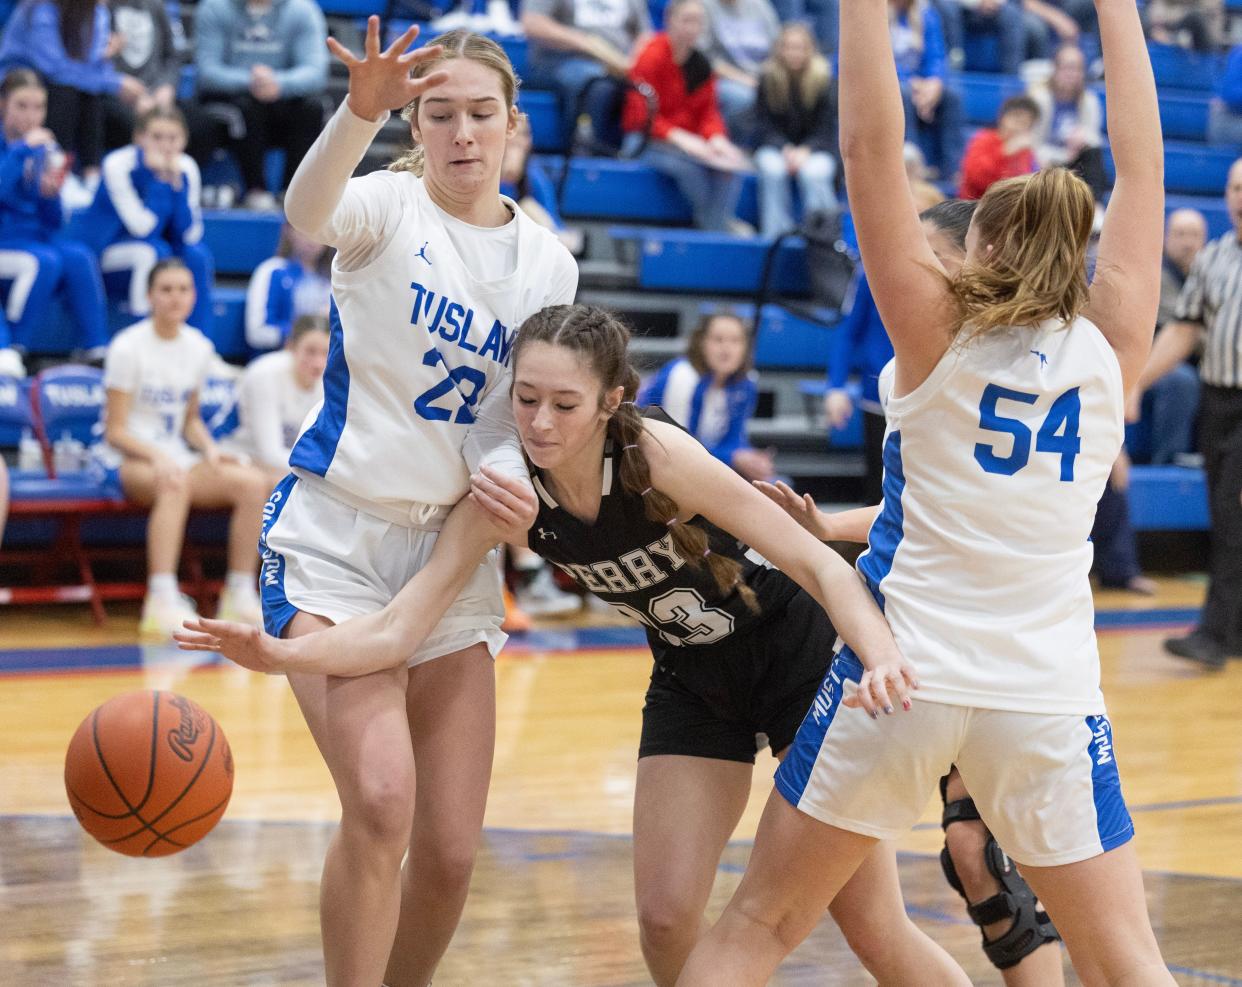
<point x="694" y="348"/>
<point x="601" y="340"/>
<point x="458" y="44"/>
<point x="779" y="83"/>
<point x="1036" y="229"/>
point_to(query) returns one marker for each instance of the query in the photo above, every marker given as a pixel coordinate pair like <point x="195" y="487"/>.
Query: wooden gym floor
<point x="551" y="903"/>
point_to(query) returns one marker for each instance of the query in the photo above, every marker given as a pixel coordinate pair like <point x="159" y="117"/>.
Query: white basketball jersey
<point x="272" y="409"/>
<point x="980" y="555"/>
<point x="417" y="343"/>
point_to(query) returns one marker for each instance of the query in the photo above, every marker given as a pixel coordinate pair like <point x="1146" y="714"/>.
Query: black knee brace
<point x="1030" y="928"/>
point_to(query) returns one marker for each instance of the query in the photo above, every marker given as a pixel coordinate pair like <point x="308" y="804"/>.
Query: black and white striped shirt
<point x="1212" y="296"/>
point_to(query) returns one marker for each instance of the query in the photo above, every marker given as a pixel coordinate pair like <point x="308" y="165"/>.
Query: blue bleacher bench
<point x="695" y="260"/>
<point x="1168" y="498"/>
<point x="543" y="109"/>
<point x="606" y="188"/>
<point x="239" y="240"/>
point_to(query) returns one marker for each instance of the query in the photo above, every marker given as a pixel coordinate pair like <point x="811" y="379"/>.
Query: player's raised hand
<point x="380" y="80"/>
<point x="244" y="644"/>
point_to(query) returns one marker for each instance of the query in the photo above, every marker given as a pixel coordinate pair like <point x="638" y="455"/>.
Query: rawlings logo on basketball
<point x="182" y="739"/>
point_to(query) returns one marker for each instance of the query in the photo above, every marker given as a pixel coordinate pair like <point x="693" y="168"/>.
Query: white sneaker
<point x="162" y="615"/>
<point x="242" y="606"/>
<point x="541" y="597"/>
<point x="11" y="364"/>
<point x="261" y="200"/>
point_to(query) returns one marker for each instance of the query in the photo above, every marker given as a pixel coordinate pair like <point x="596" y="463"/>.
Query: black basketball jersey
<point x="632" y="563"/>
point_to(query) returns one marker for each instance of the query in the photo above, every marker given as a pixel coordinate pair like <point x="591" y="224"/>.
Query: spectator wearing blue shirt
<point x="32" y="170"/>
<point x="67" y="42"/>
<point x="933" y="108"/>
<point x="147" y="209"/>
<point x="294" y="283"/>
<point x="1225" y="112"/>
<point x="266" y="58"/>
<point x="712" y="392"/>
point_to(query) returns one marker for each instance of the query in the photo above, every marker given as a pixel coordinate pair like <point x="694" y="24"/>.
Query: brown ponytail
<point x="602" y="340"/>
<point x="1038" y="228"/>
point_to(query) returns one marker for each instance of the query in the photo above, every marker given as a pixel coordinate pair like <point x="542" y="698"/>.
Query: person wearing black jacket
<point x="796" y="111"/>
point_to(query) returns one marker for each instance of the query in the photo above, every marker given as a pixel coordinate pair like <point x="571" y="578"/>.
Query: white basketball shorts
<point x="1045" y="785"/>
<point x="325" y="557"/>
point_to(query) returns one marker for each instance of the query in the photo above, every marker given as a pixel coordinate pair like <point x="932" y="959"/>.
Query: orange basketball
<point x="149" y="773"/>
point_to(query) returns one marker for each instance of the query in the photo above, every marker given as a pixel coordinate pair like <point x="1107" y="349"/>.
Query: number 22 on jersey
<point x="1057" y="435"/>
<point x="467" y="381"/>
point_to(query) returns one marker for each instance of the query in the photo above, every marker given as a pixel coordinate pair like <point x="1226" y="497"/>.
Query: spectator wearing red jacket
<point x="1005" y="151"/>
<point x="688" y="141"/>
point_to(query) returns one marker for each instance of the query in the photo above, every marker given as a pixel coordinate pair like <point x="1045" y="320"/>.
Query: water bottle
<point x="66" y="454"/>
<point x="29" y="452"/>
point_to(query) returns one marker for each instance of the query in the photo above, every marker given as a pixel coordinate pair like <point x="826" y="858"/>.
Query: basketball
<point x="149" y="773"/>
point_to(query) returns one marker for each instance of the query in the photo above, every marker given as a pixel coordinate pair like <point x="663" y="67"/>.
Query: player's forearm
<point x="854" y="614"/>
<point x="391" y="636"/>
<point x="318" y="185"/>
<point x="1130" y="89"/>
<point x="853" y="525"/>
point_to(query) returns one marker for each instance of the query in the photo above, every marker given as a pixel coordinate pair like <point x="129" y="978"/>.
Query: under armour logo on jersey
<point x="547" y="535"/>
<point x="422" y="252"/>
<point x="1043" y="358"/>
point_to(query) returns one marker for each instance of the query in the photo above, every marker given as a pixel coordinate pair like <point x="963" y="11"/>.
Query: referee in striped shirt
<point x="1208" y="318"/>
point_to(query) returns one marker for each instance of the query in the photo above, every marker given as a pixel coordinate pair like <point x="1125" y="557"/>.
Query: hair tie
<point x="634" y="403"/>
<point x="672" y="521"/>
<point x="707" y="552"/>
<point x="633" y="445"/>
<point x="645" y="492"/>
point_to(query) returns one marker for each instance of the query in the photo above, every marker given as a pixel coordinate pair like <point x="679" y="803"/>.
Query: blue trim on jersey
<point x="795" y="771"/>
<point x="277" y="610"/>
<point x="316" y="448"/>
<point x="1112" y="819"/>
<point x="888" y="529"/>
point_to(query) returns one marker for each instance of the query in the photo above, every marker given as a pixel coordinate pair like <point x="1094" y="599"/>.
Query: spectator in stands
<point x="689" y="141"/>
<point x="4" y="497"/>
<point x="796" y="112"/>
<point x="146" y="49"/>
<point x="1003" y="19"/>
<point x="34" y="252"/>
<point x="273" y="397"/>
<point x="1225" y="111"/>
<point x="68" y="42"/>
<point x="925" y="193"/>
<point x="574" y="42"/>
<point x="1194" y="24"/>
<point x="1068" y="20"/>
<point x="294" y="283"/>
<point x="821" y="16"/>
<point x="1069" y="130"/>
<point x="528" y="183"/>
<point x="163" y="455"/>
<point x="147" y="208"/>
<point x="1005" y="151"/>
<point x="712" y="391"/>
<point x="1209" y="317"/>
<point x="267" y="59"/>
<point x="1116" y="563"/>
<point x="1172" y="402"/>
<point x="861" y="344"/>
<point x="741" y="35"/>
<point x="933" y="108"/>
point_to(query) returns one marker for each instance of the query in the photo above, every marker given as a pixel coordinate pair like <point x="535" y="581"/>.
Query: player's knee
<point x="172" y="487"/>
<point x="664" y="919"/>
<point x="870" y="941"/>
<point x="380" y="810"/>
<point x="448" y="865"/>
<point x="966" y="842"/>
